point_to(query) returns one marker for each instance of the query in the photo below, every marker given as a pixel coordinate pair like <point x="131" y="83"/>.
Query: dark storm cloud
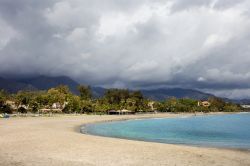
<point x="138" y="44"/>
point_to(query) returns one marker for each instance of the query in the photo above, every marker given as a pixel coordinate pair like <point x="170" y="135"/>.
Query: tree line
<point x="113" y="99"/>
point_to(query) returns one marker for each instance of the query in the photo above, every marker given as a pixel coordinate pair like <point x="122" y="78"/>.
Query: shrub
<point x="22" y="110"/>
<point x="6" y="109"/>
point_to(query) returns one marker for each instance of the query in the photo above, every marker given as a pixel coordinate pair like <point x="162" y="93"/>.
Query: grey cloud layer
<point x="195" y="44"/>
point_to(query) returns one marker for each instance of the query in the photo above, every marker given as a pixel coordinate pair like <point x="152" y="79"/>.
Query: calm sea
<point x="230" y="131"/>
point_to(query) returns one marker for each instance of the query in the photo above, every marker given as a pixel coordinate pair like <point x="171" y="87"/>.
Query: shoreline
<point x="179" y="115"/>
<point x="57" y="141"/>
<point x="161" y="116"/>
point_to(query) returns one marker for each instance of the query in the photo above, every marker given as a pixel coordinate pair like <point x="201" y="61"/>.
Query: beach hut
<point x="113" y="112"/>
<point x="120" y="112"/>
<point x="125" y="112"/>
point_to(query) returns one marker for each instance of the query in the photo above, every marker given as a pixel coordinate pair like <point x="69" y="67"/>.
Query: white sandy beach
<point x="57" y="141"/>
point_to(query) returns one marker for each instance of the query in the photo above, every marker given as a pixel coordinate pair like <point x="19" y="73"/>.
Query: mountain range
<point x="162" y="93"/>
<point x="47" y="82"/>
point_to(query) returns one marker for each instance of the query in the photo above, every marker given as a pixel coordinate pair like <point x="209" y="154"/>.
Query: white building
<point x="245" y="106"/>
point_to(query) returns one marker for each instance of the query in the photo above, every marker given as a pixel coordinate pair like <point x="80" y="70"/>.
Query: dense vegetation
<point x="113" y="99"/>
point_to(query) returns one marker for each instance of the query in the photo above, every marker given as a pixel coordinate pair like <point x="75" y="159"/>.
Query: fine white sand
<point x="57" y="141"/>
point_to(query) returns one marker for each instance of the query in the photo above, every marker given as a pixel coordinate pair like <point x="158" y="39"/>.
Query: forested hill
<point x="46" y="82"/>
<point x="37" y="83"/>
<point x="161" y="94"/>
<point x="13" y="86"/>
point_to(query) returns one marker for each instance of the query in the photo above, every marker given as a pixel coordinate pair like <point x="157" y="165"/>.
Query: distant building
<point x="151" y="105"/>
<point x="245" y="106"/>
<point x="56" y="106"/>
<point x="204" y="103"/>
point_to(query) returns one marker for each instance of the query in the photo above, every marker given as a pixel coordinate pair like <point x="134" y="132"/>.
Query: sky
<point x="198" y="44"/>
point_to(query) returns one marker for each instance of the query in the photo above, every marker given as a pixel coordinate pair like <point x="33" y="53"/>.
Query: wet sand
<point x="57" y="141"/>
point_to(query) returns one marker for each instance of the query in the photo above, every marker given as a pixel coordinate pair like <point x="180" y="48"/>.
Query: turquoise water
<point x="230" y="131"/>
